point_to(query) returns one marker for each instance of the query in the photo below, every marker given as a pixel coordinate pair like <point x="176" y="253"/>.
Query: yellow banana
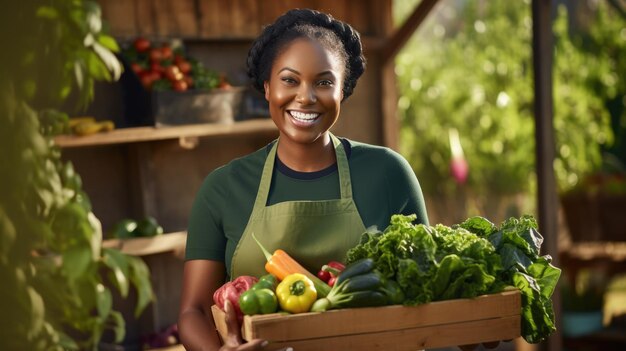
<point x="74" y="121"/>
<point x="107" y="126"/>
<point x="87" y="128"/>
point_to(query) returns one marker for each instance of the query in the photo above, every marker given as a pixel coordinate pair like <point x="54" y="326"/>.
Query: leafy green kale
<point x="473" y="258"/>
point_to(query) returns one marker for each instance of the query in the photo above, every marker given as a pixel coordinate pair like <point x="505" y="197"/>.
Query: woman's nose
<point x="306" y="95"/>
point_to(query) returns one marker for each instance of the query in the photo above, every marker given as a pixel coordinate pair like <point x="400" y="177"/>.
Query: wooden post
<point x="544" y="144"/>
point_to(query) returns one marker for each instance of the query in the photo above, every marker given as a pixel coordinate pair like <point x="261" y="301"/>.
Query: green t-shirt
<point x="383" y="184"/>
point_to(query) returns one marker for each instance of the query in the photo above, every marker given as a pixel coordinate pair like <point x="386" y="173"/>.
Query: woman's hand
<point x="233" y="341"/>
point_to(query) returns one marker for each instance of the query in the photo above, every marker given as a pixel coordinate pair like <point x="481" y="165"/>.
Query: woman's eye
<point x="325" y="83"/>
<point x="288" y="80"/>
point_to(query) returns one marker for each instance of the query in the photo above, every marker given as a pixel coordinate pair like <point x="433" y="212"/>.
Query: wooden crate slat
<point x="365" y="320"/>
<point x="413" y="339"/>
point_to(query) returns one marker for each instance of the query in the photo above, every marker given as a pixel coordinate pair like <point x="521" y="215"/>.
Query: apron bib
<point x="312" y="232"/>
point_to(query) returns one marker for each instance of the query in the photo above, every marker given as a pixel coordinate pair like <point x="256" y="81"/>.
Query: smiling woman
<point x="309" y="192"/>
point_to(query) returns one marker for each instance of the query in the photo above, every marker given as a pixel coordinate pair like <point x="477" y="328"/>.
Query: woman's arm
<point x="195" y="321"/>
<point x="200" y="279"/>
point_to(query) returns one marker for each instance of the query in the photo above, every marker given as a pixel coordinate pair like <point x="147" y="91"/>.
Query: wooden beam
<point x="402" y="35"/>
<point x="543" y="49"/>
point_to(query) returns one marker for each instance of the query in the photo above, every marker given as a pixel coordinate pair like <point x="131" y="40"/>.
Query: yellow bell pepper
<point x="296" y="293"/>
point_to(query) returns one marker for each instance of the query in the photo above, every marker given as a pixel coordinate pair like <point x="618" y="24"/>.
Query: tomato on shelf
<point x="141" y="44"/>
<point x="166" y="66"/>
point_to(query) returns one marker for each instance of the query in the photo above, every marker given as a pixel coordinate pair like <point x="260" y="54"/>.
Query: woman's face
<point x="304" y="91"/>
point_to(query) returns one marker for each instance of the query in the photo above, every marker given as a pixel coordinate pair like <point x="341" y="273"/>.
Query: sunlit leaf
<point x="140" y="277"/>
<point x="108" y="42"/>
<point x="104" y="301"/>
<point x="36" y="312"/>
<point x="109" y="59"/>
<point x="118" y="325"/>
<point x="76" y="260"/>
<point x="118" y="264"/>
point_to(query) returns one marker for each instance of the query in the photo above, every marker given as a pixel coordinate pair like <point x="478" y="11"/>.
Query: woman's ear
<point x="266" y="87"/>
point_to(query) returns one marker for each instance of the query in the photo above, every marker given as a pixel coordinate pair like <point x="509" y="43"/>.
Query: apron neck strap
<point x="343" y="168"/>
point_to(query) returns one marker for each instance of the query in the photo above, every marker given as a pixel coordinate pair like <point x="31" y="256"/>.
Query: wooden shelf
<point x="149" y="246"/>
<point x="142" y="134"/>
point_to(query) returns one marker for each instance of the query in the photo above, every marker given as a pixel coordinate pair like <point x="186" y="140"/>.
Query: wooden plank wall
<point x="225" y="19"/>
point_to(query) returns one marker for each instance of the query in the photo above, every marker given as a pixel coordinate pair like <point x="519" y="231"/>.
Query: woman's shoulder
<point x="376" y="154"/>
<point x="248" y="166"/>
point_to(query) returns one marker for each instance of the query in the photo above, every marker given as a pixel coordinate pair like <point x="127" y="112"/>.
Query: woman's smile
<point x="304" y="119"/>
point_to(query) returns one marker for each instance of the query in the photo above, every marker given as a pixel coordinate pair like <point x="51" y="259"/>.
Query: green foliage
<point x="432" y="263"/>
<point x="53" y="269"/>
<point x="475" y="75"/>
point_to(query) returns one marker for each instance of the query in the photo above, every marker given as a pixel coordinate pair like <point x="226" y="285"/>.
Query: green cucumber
<point x="357" y="268"/>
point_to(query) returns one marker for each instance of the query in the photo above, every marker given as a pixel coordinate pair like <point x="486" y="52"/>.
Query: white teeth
<point x="304" y="116"/>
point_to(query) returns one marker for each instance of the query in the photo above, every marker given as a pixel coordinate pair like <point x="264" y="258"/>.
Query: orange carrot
<point x="280" y="264"/>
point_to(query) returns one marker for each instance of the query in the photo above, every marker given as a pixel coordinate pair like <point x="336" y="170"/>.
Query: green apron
<point x="312" y="232"/>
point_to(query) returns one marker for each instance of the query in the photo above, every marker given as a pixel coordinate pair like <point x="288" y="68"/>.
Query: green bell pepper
<point x="258" y="301"/>
<point x="267" y="281"/>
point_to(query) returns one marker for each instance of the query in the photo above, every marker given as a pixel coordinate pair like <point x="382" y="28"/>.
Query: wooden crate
<point x="438" y="324"/>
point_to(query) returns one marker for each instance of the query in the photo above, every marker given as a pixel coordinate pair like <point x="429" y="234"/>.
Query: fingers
<point x="256" y="344"/>
<point x="233" y="337"/>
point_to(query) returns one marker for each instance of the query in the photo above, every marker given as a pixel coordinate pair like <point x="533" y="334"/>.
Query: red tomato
<point x="146" y="80"/>
<point x="173" y="73"/>
<point x="178" y="58"/>
<point x="156" y="67"/>
<point x="179" y="85"/>
<point x="156" y="55"/>
<point x="189" y="81"/>
<point x="184" y="66"/>
<point x="166" y="53"/>
<point x="223" y="84"/>
<point x="141" y="44"/>
<point x="136" y="68"/>
<point x="156" y="75"/>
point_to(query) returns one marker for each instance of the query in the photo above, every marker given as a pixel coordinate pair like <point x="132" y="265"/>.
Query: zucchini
<point x="357" y="268"/>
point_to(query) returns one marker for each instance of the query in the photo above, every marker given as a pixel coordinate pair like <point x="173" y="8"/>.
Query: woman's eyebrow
<point x="289" y="69"/>
<point x="325" y="73"/>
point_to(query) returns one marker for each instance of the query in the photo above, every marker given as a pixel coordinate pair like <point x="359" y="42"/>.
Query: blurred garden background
<point x="466" y="79"/>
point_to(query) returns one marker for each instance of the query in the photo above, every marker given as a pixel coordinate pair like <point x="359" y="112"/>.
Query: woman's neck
<point x="307" y="157"/>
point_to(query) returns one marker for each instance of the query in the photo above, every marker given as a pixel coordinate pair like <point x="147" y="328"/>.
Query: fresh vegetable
<point x="395" y="295"/>
<point x="258" y="301"/>
<point x="432" y="263"/>
<point x="148" y="226"/>
<point x="330" y="271"/>
<point x="232" y="290"/>
<point x="357" y="268"/>
<point x="124" y="229"/>
<point x="280" y="264"/>
<point x="359" y="285"/>
<point x="296" y="293"/>
<point x="141" y="44"/>
<point x="165" y="67"/>
<point x="323" y="275"/>
<point x="267" y="281"/>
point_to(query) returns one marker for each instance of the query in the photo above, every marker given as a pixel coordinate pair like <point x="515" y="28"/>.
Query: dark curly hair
<point x="336" y="36"/>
